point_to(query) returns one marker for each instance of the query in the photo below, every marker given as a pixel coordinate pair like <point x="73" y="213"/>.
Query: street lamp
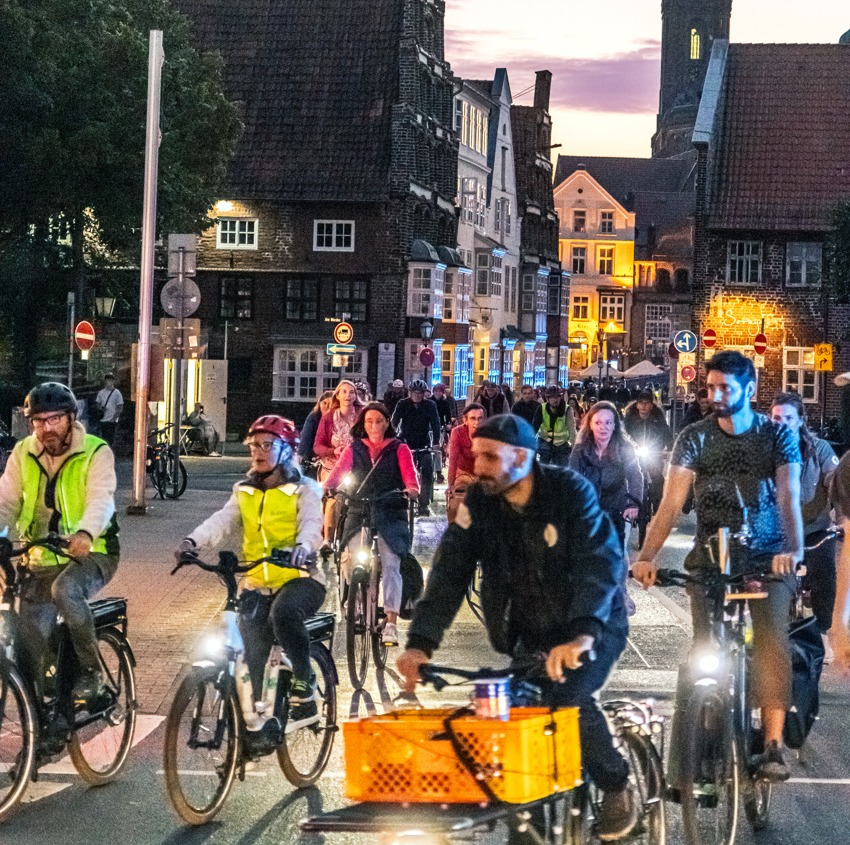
<point x="611" y="328"/>
<point x="426" y="330"/>
<point x="104" y="306"/>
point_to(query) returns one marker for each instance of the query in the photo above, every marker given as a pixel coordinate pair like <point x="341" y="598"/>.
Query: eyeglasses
<point x="263" y="446"/>
<point x="47" y="422"/>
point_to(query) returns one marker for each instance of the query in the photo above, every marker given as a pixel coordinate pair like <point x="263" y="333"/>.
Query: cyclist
<point x="418" y="425"/>
<point x="551" y="573"/>
<point x="379" y="463"/>
<point x="61" y="479"/>
<point x="819" y="465"/>
<point x="461" y="457"/>
<point x="556" y="428"/>
<point x="275" y="507"/>
<point x="699" y="409"/>
<point x="737" y="459"/>
<point x="526" y="406"/>
<point x="447" y="412"/>
<point x="308" y="433"/>
<point x="492" y="399"/>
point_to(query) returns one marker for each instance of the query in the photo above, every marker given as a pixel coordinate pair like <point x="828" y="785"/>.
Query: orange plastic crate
<point x="399" y="757"/>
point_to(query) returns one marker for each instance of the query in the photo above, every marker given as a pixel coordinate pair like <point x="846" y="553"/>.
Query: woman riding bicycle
<point x="461" y="459"/>
<point x="309" y="430"/>
<point x="379" y="463"/>
<point x="275" y="507"/>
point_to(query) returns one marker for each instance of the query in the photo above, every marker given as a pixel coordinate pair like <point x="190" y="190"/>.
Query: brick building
<point x="341" y="193"/>
<point x="773" y="138"/>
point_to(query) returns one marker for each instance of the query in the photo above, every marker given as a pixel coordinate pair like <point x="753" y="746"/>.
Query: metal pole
<point x="177" y="370"/>
<point x="155" y="61"/>
<point x="71" y="320"/>
<point x="226" y="327"/>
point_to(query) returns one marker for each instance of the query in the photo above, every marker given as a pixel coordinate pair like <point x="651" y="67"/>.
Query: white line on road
<point x="208" y="774"/>
<point x="637" y="652"/>
<point x="43" y="789"/>
<point x="826" y="781"/>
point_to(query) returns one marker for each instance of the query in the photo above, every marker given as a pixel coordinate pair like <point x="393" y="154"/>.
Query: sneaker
<point x="426" y="511"/>
<point x="214" y="455"/>
<point x="89" y="686"/>
<point x="770" y="764"/>
<point x="440" y="478"/>
<point x="390" y="634"/>
<point x="264" y="740"/>
<point x="618" y="814"/>
<point x="828" y="651"/>
<point x="302" y="703"/>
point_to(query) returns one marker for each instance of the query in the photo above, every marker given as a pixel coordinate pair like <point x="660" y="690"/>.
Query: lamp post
<point x="611" y="328"/>
<point x="426" y="332"/>
<point x="104" y="306"/>
<point x="600" y="339"/>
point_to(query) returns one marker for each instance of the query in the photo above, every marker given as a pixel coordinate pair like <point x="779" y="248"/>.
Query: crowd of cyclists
<point x="541" y="491"/>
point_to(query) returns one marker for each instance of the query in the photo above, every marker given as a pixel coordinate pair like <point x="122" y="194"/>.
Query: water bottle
<point x="270" y="679"/>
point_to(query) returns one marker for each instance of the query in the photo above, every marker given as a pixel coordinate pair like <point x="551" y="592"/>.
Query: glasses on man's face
<point x="50" y="421"/>
<point x="264" y="446"/>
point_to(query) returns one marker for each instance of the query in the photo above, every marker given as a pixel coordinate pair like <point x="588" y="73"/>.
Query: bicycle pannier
<point x="807" y="654"/>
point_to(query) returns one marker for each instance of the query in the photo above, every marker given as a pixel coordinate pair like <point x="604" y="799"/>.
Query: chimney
<point x="542" y="89"/>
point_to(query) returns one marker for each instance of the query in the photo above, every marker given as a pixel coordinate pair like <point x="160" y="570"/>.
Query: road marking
<point x="835" y="781"/>
<point x="42" y="789"/>
<point x="206" y="774"/>
<point x="637" y="652"/>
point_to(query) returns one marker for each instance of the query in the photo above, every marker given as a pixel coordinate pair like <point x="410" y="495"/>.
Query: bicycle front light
<point x="347" y="481"/>
<point x="361" y="557"/>
<point x="410" y="837"/>
<point x="707" y="665"/>
<point x="212" y="646"/>
<point x="642" y="451"/>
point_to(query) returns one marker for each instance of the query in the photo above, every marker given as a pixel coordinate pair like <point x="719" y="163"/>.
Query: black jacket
<point x="570" y="545"/>
<point x="653" y="431"/>
<point x="446" y="409"/>
<point x="417" y="425"/>
<point x="526" y="410"/>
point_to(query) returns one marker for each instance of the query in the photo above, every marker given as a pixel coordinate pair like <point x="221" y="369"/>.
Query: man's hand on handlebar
<point x="408" y="666"/>
<point x="188" y="548"/>
<point x="644" y="572"/>
<point x="785" y="563"/>
<point x="298" y="556"/>
<point x="411" y="492"/>
<point x="569" y="656"/>
<point x="79" y="544"/>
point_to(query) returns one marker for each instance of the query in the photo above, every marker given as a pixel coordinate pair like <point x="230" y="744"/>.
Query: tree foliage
<point x="838" y="254"/>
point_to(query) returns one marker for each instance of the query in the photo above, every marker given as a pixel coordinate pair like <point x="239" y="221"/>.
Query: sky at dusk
<point x="605" y="56"/>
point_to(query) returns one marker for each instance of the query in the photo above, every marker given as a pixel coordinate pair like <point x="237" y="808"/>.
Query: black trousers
<point x="820" y="578"/>
<point x="424" y="462"/>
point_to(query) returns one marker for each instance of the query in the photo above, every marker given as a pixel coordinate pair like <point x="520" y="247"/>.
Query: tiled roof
<point x="783" y="141"/>
<point x="623" y="178"/>
<point x="316" y="81"/>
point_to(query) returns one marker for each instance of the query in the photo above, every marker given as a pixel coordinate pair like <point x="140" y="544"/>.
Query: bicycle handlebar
<point x="52" y="542"/>
<point x="368" y="500"/>
<point x="228" y="563"/>
<point x="677" y="578"/>
<point x="832" y="533"/>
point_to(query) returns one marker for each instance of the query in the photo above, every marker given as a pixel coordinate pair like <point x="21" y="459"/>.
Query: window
<point x="612" y="306"/>
<point x="333" y="236"/>
<point x="462" y="377"/>
<point x="502" y="213"/>
<point x="645" y="275"/>
<point x="448" y="297"/>
<point x="481" y="207"/>
<point x="504" y="165"/>
<point x="468" y="198"/>
<point x="236" y="298"/>
<point x="803" y="264"/>
<point x="579" y="348"/>
<point x="559" y="292"/>
<point x="350" y="297"/>
<point x="696" y="45"/>
<point x="605" y="260"/>
<point x="528" y="292"/>
<point x="301" y="299"/>
<point x="579" y="220"/>
<point x="581" y="307"/>
<point x="657" y="331"/>
<point x="579" y="260"/>
<point x="473" y="131"/>
<point x="496" y="275"/>
<point x="606" y="222"/>
<point x="743" y="262"/>
<point x="425" y="291"/>
<point x="301" y="373"/>
<point x="236" y="233"/>
<point x="514" y="287"/>
<point x="798" y="373"/>
<point x="458" y="114"/>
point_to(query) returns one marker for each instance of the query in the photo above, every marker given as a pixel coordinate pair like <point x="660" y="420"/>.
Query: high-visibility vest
<point x="557" y="436"/>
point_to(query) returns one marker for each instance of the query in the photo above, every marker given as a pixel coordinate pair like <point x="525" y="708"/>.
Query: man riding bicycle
<point x="552" y="570"/>
<point x="60" y="479"/>
<point x="645" y="424"/>
<point x="741" y="465"/>
<point x="275" y="507"/>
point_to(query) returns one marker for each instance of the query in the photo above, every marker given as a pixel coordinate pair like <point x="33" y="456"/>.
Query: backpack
<point x="807" y="652"/>
<point x="412" y="584"/>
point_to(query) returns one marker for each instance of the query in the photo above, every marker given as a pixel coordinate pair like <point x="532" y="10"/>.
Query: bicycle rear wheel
<point x="357" y="633"/>
<point x="17" y="738"/>
<point x="175" y="485"/>
<point x="709" y="779"/>
<point x="99" y="746"/>
<point x="202" y="737"/>
<point x="647" y="777"/>
<point x="305" y="751"/>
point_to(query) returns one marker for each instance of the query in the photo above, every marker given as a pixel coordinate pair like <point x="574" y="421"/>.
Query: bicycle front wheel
<point x="356" y="628"/>
<point x="647" y="778"/>
<point x="709" y="779"/>
<point x="17" y="738"/>
<point x="101" y="741"/>
<point x="176" y="482"/>
<point x="202" y="736"/>
<point x="305" y="751"/>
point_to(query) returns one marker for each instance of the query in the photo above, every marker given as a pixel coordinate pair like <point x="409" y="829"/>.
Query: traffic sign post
<point x="341" y="349"/>
<point x="760" y="343"/>
<point x="343" y="333"/>
<point x="685" y="341"/>
<point x="709" y="338"/>
<point x="689" y="373"/>
<point x="84" y="338"/>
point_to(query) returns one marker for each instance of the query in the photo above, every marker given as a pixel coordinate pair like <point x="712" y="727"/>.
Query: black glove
<point x="188" y="548"/>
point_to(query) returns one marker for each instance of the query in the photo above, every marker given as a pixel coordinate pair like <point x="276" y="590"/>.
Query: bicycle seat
<point x="108" y="611"/>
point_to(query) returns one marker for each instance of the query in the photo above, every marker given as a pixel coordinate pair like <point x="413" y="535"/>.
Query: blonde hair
<point x="356" y="402"/>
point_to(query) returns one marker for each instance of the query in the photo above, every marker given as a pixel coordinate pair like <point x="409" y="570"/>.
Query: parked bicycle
<point x="206" y="745"/>
<point x="167" y="473"/>
<point x="33" y="727"/>
<point x="7" y="444"/>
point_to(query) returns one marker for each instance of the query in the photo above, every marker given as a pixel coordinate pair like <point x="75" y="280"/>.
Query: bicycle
<point x="205" y="732"/>
<point x="34" y="727"/>
<point x="649" y="457"/>
<point x="364" y="616"/>
<point x="168" y="475"/>
<point x="568" y="810"/>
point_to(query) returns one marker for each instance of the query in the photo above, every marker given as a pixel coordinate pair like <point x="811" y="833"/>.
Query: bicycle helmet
<point x="50" y="397"/>
<point x="417" y="384"/>
<point x="278" y="426"/>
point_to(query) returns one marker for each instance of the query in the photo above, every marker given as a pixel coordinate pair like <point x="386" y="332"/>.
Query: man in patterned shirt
<point x="738" y="459"/>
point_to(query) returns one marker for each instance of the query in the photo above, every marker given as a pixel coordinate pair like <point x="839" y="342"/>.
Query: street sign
<point x="84" y="335"/>
<point x="426" y="356"/>
<point x="339" y="361"/>
<point x="343" y="333"/>
<point x="709" y="338"/>
<point x="176" y="344"/>
<point x="687" y="359"/>
<point x="688" y="373"/>
<point x="823" y="357"/>
<point x="672" y="352"/>
<point x="758" y="362"/>
<point x="341" y="349"/>
<point x="685" y="341"/>
<point x="760" y="344"/>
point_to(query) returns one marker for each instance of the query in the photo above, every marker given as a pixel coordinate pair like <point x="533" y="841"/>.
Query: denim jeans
<point x="51" y="590"/>
<point x="556" y="456"/>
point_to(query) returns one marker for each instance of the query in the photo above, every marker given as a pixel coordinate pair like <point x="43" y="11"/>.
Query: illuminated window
<point x="579" y="260"/>
<point x="333" y="236"/>
<point x="798" y="373"/>
<point x="581" y="307"/>
<point x="612" y="306"/>
<point x="301" y="373"/>
<point x="696" y="45"/>
<point x="425" y="291"/>
<point x="605" y="260"/>
<point x="236" y="233"/>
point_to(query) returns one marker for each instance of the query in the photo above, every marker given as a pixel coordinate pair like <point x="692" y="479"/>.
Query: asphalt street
<point x="169" y="616"/>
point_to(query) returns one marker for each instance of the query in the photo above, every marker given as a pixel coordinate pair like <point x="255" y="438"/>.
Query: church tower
<point x="688" y="30"/>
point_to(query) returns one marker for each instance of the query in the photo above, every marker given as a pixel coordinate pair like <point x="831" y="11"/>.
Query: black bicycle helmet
<point x="48" y="398"/>
<point x="417" y="384"/>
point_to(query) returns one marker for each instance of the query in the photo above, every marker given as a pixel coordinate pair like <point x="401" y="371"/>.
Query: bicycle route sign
<point x="685" y="341"/>
<point x="84" y="335"/>
<point x="343" y="333"/>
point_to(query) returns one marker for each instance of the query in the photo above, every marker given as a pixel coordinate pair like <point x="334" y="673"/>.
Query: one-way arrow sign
<point x="685" y="341"/>
<point x="341" y="349"/>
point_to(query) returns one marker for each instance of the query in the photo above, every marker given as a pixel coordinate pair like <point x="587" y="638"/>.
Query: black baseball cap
<point x="510" y="429"/>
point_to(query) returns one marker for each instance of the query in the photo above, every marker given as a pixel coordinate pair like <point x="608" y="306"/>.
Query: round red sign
<point x="688" y="373"/>
<point x="672" y="352"/>
<point x="84" y="335"/>
<point x="343" y="333"/>
<point x="760" y="344"/>
<point x="426" y="356"/>
<point x="709" y="338"/>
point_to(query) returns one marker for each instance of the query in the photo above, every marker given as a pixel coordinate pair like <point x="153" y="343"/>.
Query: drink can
<point x="491" y="699"/>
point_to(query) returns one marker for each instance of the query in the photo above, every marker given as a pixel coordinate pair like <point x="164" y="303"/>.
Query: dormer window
<point x="696" y="45"/>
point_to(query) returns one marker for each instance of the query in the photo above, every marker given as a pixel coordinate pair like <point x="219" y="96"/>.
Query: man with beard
<point x="552" y="569"/>
<point x="736" y="460"/>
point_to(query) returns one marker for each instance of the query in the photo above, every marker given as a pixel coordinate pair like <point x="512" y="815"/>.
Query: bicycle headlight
<point x="707" y="663"/>
<point x="212" y="645"/>
<point x="642" y="451"/>
<point x="347" y="481"/>
<point x="361" y="557"/>
<point x="410" y="837"/>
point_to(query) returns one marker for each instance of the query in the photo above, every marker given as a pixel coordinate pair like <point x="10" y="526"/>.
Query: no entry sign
<point x="709" y="338"/>
<point x="84" y="335"/>
<point x="760" y="344"/>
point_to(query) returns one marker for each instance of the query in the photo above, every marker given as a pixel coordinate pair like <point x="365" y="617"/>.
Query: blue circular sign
<point x="685" y="341"/>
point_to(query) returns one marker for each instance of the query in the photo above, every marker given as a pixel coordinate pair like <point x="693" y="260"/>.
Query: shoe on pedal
<point x="426" y="511"/>
<point x="770" y="764"/>
<point x="389" y="637"/>
<point x="618" y="814"/>
<point x="88" y="687"/>
<point x="302" y="703"/>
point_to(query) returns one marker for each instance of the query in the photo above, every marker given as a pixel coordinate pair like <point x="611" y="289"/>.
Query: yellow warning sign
<point x="823" y="357"/>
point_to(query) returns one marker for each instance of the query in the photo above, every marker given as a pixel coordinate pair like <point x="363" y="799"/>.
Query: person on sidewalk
<point x="109" y="403"/>
<point x="551" y="573"/>
<point x="61" y="479"/>
<point x="205" y="432"/>
<point x="275" y="507"/>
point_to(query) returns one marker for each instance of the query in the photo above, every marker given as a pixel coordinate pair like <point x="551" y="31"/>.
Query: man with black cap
<point x="552" y="576"/>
